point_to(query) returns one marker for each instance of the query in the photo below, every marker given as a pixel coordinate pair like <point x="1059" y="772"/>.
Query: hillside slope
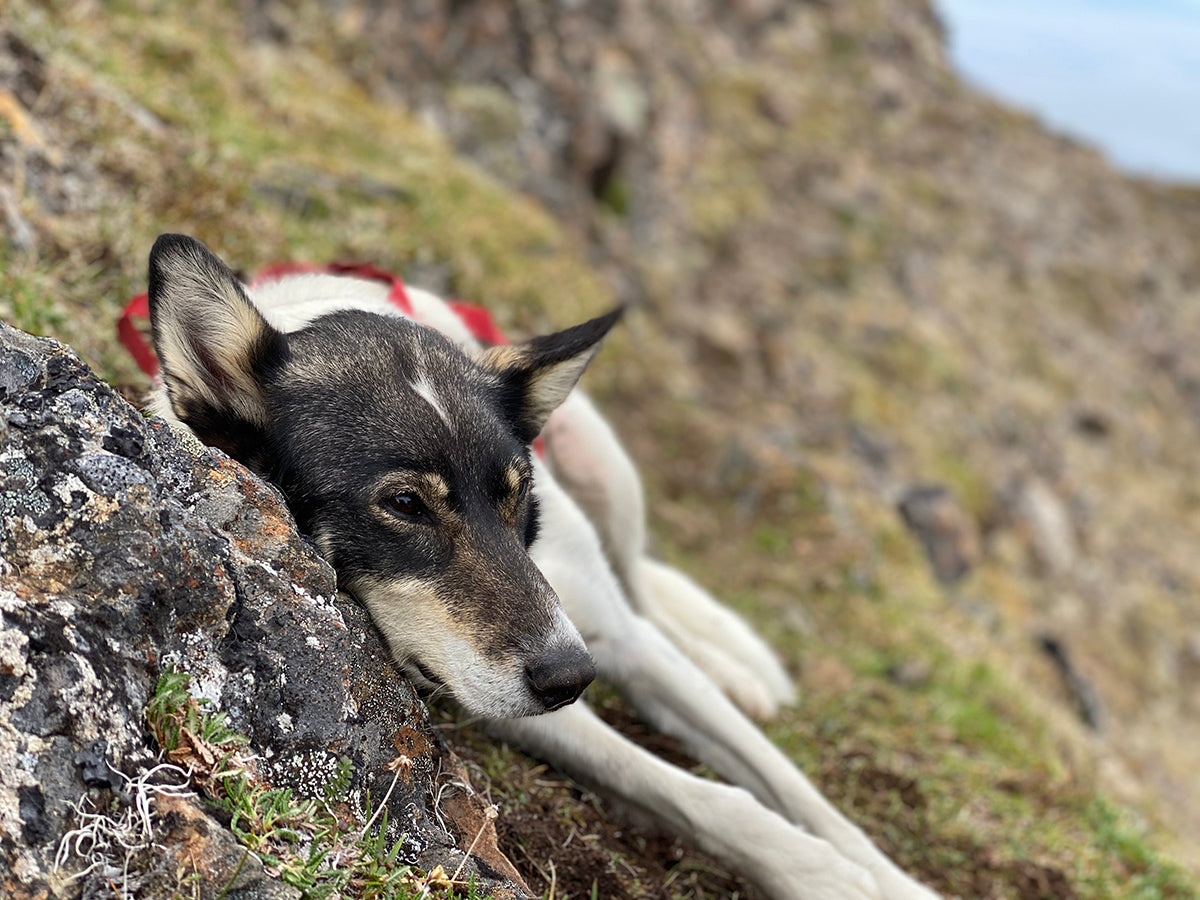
<point x="853" y="276"/>
<point x="861" y="265"/>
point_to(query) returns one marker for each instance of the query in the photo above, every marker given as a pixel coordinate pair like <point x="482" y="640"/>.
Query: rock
<point x="911" y="673"/>
<point x="871" y="447"/>
<point x="1048" y="525"/>
<point x="950" y="537"/>
<point x="1083" y="694"/>
<point x="124" y="550"/>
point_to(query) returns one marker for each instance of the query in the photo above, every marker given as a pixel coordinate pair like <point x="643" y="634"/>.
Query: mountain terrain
<point x="909" y="377"/>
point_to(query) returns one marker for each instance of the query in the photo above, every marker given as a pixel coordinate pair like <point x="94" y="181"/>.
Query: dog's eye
<point x="408" y="506"/>
<point x="523" y="491"/>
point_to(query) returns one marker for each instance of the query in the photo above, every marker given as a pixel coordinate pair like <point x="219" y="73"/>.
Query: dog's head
<point x="406" y="460"/>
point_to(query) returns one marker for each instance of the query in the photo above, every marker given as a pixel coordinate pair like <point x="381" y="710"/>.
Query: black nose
<point x="559" y="677"/>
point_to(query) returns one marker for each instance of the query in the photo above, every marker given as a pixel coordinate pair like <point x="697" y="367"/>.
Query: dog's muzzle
<point x="559" y="677"/>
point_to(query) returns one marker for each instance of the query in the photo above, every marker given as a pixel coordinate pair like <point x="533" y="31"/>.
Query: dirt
<point x="567" y="842"/>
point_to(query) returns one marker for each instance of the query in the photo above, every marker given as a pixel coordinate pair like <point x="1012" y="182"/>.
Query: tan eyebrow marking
<point x="430" y="485"/>
<point x="439" y="489"/>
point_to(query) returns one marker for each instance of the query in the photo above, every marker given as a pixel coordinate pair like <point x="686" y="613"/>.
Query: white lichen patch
<point x="90" y="703"/>
<point x="199" y="658"/>
<point x="18" y="753"/>
<point x="14" y="661"/>
<point x="69" y="485"/>
<point x="266" y="567"/>
<point x="26" y="866"/>
<point x="13" y="644"/>
<point x="308" y="772"/>
<point x="9" y="601"/>
<point x="64" y="609"/>
<point x="323" y="602"/>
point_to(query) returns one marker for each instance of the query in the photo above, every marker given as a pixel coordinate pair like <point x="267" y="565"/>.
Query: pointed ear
<point x="212" y="344"/>
<point x="537" y="376"/>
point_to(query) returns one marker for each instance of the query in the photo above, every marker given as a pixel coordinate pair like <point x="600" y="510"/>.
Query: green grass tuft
<point x="305" y="841"/>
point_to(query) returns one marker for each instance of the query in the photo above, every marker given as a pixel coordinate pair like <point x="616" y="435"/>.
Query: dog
<point x="505" y="576"/>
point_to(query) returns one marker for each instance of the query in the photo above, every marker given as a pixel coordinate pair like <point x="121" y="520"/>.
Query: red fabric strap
<point x="477" y="319"/>
<point x="479" y="322"/>
<point x="131" y="338"/>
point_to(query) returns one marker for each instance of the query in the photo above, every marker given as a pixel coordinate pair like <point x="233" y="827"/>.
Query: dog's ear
<point x="537" y="376"/>
<point x="212" y="344"/>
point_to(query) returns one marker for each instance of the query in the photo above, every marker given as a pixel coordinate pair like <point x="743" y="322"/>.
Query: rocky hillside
<point x="908" y="375"/>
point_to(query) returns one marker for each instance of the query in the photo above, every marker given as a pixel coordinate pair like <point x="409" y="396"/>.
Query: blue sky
<point x="1121" y="74"/>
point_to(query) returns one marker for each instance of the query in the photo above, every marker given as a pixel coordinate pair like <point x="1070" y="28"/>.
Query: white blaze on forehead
<point x="425" y="390"/>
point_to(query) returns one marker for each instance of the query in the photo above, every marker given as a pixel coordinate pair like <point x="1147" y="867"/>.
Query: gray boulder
<point x="124" y="550"/>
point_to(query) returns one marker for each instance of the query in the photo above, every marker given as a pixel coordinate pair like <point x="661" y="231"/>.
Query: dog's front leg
<point x="676" y="697"/>
<point x="670" y="691"/>
<point x="593" y="467"/>
<point x="723" y="821"/>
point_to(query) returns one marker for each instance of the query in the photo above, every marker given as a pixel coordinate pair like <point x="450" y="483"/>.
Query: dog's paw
<point x="754" y="701"/>
<point x="749" y="693"/>
<point x="715" y="638"/>
<point x="743" y="687"/>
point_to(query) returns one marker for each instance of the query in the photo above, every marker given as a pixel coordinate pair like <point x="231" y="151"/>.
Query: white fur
<point x="773" y="827"/>
<point x="427" y="392"/>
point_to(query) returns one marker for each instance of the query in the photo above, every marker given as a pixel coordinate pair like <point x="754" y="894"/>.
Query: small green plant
<point x="1142" y="870"/>
<point x="305" y="843"/>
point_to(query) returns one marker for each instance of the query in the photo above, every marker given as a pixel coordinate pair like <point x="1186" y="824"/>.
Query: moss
<point x="302" y="840"/>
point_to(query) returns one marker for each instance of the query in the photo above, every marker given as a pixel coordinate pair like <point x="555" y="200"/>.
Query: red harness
<point x="477" y="319"/>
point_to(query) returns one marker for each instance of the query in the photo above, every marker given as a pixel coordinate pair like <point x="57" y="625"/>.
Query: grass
<point x="956" y="775"/>
<point x="26" y="299"/>
<point x="305" y="842"/>
<point x="254" y="156"/>
<point x="1139" y="871"/>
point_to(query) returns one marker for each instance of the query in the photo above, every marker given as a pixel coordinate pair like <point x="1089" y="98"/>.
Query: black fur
<point x="338" y="437"/>
<point x="533" y="525"/>
<point x="513" y="395"/>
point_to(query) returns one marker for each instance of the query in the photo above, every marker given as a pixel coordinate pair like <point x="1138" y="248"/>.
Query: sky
<point x="1123" y="75"/>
